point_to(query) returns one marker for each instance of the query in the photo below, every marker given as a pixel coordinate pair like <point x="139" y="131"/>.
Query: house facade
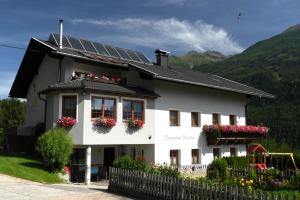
<point x="88" y="81"/>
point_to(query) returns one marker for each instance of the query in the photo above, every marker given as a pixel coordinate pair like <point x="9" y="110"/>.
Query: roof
<point x="254" y="148"/>
<point x="102" y="87"/>
<point x="31" y="62"/>
<point x="188" y="76"/>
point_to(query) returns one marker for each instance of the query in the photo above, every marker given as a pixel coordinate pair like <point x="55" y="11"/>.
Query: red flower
<point x="137" y="123"/>
<point x="66" y="122"/>
<point x="67" y="170"/>
<point x="106" y="122"/>
<point x="229" y="129"/>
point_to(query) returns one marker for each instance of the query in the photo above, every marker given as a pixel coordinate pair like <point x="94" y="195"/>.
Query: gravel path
<point x="18" y="189"/>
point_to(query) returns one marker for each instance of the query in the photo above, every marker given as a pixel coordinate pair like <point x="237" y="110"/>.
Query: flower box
<point x="135" y="124"/>
<point x="66" y="122"/>
<point x="105" y="122"/>
<point x="233" y="134"/>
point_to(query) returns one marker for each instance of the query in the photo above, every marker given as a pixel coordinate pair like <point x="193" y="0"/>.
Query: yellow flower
<point x="243" y="184"/>
<point x="251" y="181"/>
<point x="242" y="179"/>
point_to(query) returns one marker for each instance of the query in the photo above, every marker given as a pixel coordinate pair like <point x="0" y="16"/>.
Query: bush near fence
<point x="154" y="186"/>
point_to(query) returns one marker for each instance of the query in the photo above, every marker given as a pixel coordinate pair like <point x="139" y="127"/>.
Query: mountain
<point x="194" y="58"/>
<point x="272" y="65"/>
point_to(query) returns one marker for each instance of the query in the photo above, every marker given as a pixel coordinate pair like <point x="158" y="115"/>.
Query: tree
<point x="12" y="113"/>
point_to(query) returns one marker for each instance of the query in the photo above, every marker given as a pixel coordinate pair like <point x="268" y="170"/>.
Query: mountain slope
<point x="194" y="58"/>
<point x="272" y="65"/>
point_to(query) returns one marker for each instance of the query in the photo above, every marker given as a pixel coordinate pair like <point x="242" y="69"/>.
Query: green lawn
<point x="26" y="167"/>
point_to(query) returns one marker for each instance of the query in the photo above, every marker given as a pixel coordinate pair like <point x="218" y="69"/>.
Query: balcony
<point x="233" y="134"/>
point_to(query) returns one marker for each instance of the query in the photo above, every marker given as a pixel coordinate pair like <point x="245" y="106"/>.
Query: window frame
<point x="220" y="154"/>
<point x="219" y="118"/>
<point x="235" y="119"/>
<point x="177" y="157"/>
<point x="102" y="106"/>
<point x="199" y="119"/>
<point x="198" y="156"/>
<point x="235" y="151"/>
<point x="178" y="118"/>
<point x="132" y="111"/>
<point x="61" y="95"/>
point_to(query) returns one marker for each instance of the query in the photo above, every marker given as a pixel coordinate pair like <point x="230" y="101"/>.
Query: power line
<point x="19" y="48"/>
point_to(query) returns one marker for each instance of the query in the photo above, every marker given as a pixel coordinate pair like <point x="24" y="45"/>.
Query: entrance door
<point x="109" y="157"/>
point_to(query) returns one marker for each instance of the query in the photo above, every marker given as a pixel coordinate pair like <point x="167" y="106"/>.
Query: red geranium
<point x="66" y="122"/>
<point x="136" y="123"/>
<point x="230" y="129"/>
<point x="106" y="122"/>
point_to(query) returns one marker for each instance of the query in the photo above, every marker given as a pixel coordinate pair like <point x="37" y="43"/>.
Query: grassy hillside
<point x="272" y="65"/>
<point x="26" y="167"/>
<point x="193" y="58"/>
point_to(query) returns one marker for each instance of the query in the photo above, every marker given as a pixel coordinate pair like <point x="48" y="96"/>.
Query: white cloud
<point x="171" y="34"/>
<point x="6" y="80"/>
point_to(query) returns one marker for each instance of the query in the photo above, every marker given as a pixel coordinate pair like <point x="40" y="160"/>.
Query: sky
<point x="178" y="26"/>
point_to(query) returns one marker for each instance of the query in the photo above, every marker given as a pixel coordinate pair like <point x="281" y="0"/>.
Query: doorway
<point x="109" y="157"/>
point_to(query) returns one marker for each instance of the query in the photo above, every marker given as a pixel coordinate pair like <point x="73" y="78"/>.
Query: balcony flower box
<point x="226" y="134"/>
<point x="105" y="122"/>
<point x="135" y="124"/>
<point x="66" y="122"/>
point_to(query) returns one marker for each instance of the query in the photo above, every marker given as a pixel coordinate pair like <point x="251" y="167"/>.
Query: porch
<point x="92" y="162"/>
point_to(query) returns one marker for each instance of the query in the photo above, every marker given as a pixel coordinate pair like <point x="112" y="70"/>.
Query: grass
<point x="26" y="167"/>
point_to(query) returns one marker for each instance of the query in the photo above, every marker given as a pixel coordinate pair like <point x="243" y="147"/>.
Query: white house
<point x="174" y="103"/>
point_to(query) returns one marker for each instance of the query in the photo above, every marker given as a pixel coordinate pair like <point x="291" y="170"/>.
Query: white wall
<point x="118" y="134"/>
<point x="187" y="99"/>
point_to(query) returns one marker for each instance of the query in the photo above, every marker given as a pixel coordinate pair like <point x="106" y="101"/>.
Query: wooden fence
<point x="153" y="186"/>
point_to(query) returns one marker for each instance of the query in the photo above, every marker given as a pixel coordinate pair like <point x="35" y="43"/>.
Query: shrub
<point x="55" y="146"/>
<point x="237" y="162"/>
<point x="219" y="165"/>
<point x="126" y="162"/>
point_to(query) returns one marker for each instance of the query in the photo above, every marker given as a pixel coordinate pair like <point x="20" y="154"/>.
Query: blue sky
<point x="174" y="25"/>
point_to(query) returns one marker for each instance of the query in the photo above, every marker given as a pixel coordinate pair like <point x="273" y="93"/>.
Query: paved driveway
<point x="18" y="189"/>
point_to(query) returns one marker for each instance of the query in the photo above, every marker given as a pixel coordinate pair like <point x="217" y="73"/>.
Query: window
<point x="216" y="153"/>
<point x="103" y="107"/>
<point x="133" y="109"/>
<point x="195" y="119"/>
<point x="216" y="118"/>
<point x="195" y="156"/>
<point x="69" y="106"/>
<point x="174" y="118"/>
<point x="233" y="151"/>
<point x="232" y="119"/>
<point x="174" y="157"/>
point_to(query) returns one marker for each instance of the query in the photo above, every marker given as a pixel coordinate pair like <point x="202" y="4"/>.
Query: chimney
<point x="61" y="33"/>
<point x="162" y="58"/>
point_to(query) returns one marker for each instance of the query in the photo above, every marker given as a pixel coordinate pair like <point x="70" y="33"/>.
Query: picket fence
<point x="153" y="186"/>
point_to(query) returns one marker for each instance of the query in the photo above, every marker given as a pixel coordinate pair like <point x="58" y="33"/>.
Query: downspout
<point x="45" y="106"/>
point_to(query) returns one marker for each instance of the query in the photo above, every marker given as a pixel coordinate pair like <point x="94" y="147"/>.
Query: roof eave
<point x="261" y="95"/>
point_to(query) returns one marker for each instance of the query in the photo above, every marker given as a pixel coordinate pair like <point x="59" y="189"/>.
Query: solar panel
<point x="65" y="42"/>
<point x="133" y="55"/>
<point x="143" y="57"/>
<point x="112" y="51"/>
<point x="97" y="48"/>
<point x="123" y="53"/>
<point x="88" y="46"/>
<point x="100" y="48"/>
<point x="76" y="43"/>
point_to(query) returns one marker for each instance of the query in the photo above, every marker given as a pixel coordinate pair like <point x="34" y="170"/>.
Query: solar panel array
<point x="97" y="48"/>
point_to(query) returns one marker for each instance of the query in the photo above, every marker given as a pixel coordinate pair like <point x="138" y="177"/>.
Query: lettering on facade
<point x="179" y="137"/>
